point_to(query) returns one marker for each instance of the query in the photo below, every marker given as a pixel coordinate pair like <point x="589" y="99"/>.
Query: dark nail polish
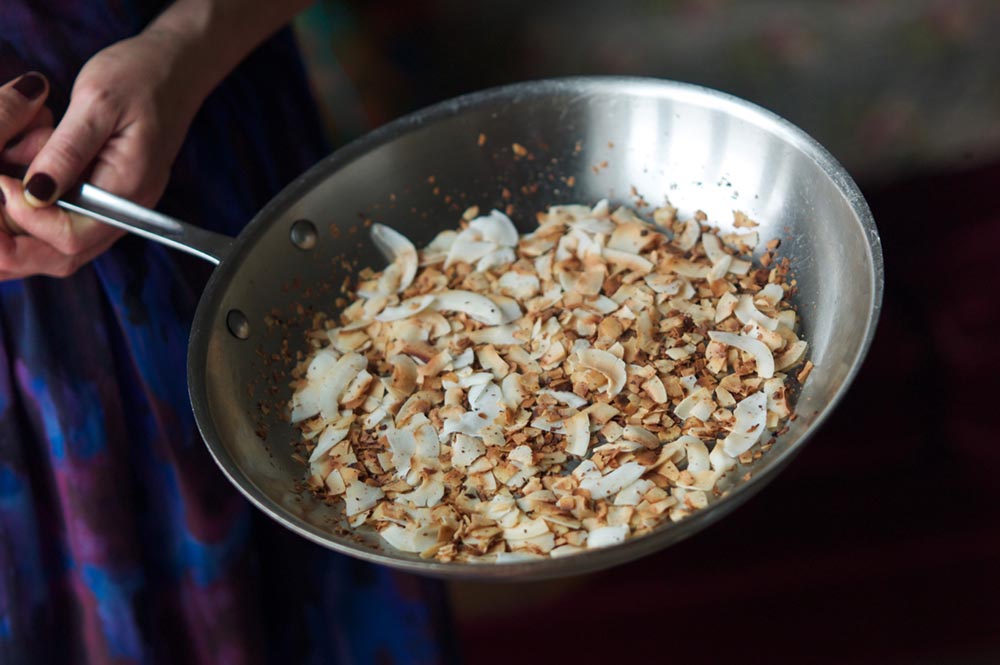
<point x="30" y="85"/>
<point x="3" y="199"/>
<point x="41" y="186"/>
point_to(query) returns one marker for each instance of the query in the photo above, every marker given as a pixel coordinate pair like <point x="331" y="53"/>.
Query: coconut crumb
<point x="498" y="396"/>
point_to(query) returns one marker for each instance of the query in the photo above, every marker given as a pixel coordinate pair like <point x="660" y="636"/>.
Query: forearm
<point x="213" y="36"/>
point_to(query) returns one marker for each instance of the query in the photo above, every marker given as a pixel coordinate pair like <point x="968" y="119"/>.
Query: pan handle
<point x="106" y="207"/>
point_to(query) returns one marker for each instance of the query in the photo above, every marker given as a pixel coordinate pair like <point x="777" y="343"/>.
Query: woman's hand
<point x="130" y="108"/>
<point x="126" y="120"/>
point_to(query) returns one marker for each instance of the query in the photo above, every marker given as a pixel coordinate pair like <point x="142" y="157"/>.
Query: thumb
<point x="74" y="143"/>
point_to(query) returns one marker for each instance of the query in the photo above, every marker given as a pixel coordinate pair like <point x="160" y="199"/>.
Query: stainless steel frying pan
<point x="586" y="139"/>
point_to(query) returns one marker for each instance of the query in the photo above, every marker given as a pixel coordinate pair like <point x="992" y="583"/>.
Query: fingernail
<point x="41" y="186"/>
<point x="30" y="85"/>
<point x="3" y="199"/>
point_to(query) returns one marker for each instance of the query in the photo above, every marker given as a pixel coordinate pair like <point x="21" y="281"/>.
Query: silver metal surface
<point x="587" y="138"/>
<point x="303" y="234"/>
<point x="122" y="213"/>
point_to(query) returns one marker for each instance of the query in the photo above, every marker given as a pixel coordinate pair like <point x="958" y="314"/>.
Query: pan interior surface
<point x="586" y="139"/>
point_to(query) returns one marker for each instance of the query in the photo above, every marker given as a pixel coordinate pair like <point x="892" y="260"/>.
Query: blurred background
<point x="881" y="542"/>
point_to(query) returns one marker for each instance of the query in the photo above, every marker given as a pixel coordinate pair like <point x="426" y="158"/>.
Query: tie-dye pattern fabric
<point x="120" y="541"/>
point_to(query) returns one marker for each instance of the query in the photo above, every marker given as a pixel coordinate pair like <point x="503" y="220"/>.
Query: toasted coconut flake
<point x="405" y="309"/>
<point x="578" y="434"/>
<point x="744" y="243"/>
<point x="333" y="385"/>
<point x="330" y="437"/>
<point x="359" y="497"/>
<point x="640" y="435"/>
<point x="477" y="306"/>
<point x="527" y="529"/>
<point x="771" y="339"/>
<point x="322" y="363"/>
<point x="688" y="236"/>
<point x="594" y="225"/>
<point x="428" y="495"/>
<point x="502" y="256"/>
<point x="631" y="495"/>
<point x="519" y="285"/>
<point x="501" y="368"/>
<point x="670" y="285"/>
<point x="726" y="307"/>
<point x="565" y="550"/>
<point x="689" y="269"/>
<point x="751" y="421"/>
<point x="790" y="357"/>
<point x="612" y="368"/>
<point x="437" y="250"/>
<point x="628" y="261"/>
<point x="397" y="248"/>
<point x="772" y="294"/>
<point x="601" y="487"/>
<point x="403" y="444"/>
<point x="761" y="354"/>
<point x="565" y="397"/>
<point x="746" y="312"/>
<point x="633" y="237"/>
<point x="777" y="400"/>
<point x="465" y="450"/>
<point x="497" y="228"/>
<point x="416" y="538"/>
<point x="503" y="335"/>
<point x="698" y="405"/>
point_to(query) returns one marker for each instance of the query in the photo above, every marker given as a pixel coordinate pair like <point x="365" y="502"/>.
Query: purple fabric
<point x="120" y="541"/>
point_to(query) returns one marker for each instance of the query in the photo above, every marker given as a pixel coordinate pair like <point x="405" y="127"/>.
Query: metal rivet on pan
<point x="238" y="324"/>
<point x="304" y="234"/>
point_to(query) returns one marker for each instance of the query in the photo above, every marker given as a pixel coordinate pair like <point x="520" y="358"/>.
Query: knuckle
<point x="99" y="100"/>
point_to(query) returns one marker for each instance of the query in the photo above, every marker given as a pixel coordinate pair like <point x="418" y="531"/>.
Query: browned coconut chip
<point x="501" y="397"/>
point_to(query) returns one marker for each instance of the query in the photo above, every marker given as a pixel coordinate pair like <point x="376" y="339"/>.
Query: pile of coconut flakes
<point x="496" y="397"/>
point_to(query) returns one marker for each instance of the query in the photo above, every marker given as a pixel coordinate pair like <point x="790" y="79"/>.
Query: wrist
<point x="211" y="37"/>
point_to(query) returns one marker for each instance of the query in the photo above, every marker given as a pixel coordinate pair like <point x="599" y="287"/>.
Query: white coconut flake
<point x="477" y="306"/>
<point x="405" y="309"/>
<point x="604" y="486"/>
<point x="330" y="437"/>
<point x="761" y="354"/>
<point x="416" y="538"/>
<point x="403" y="445"/>
<point x="607" y="536"/>
<point x="751" y="422"/>
<point x="496" y="227"/>
<point x="502" y="256"/>
<point x="698" y="404"/>
<point x="397" y="248"/>
<point x="519" y="285"/>
<point x="359" y="496"/>
<point x="606" y="364"/>
<point x="565" y="397"/>
<point x="746" y="312"/>
<point x="465" y="450"/>
<point x="332" y="386"/>
<point x="631" y="495"/>
<point x="578" y="434"/>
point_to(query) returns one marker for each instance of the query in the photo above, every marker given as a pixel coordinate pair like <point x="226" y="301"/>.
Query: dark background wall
<point x="881" y="542"/>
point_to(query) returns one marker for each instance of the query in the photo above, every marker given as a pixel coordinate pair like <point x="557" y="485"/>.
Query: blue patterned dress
<point x="120" y="541"/>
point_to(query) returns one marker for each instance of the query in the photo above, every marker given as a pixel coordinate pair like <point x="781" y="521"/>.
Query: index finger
<point x="20" y="101"/>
